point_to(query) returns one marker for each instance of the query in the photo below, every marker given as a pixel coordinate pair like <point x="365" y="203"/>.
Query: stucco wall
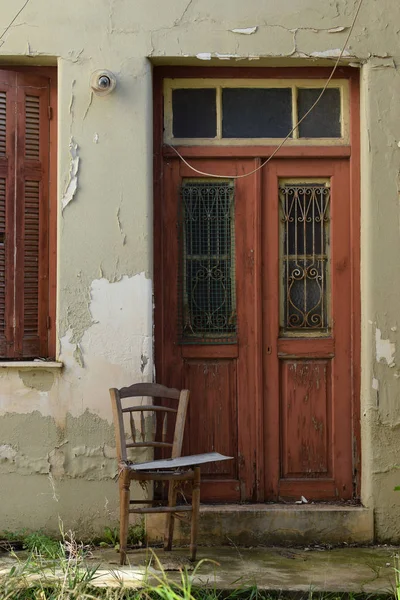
<point x="56" y="441"/>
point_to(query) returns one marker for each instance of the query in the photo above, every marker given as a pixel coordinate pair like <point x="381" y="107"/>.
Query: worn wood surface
<point x="306" y="415"/>
<point x="148" y="437"/>
<point x="253" y="73"/>
<point x="298" y="409"/>
<point x="260" y="379"/>
<point x="355" y="211"/>
<point x="259" y="151"/>
<point x="154" y="390"/>
<point x="24" y="276"/>
<point x="212" y="420"/>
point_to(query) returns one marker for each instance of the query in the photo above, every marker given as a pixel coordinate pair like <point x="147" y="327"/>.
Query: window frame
<point x="204" y="337"/>
<point x="322" y="332"/>
<point x="170" y="84"/>
<point x="50" y="73"/>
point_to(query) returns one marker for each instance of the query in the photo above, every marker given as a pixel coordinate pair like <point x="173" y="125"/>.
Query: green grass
<point x="58" y="570"/>
<point x="67" y="577"/>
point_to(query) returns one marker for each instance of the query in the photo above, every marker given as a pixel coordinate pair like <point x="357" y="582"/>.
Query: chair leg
<point x="170" y="520"/>
<point x="124" y="497"/>
<point x="195" y="513"/>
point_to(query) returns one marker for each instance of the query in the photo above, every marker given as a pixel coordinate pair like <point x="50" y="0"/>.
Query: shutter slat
<point x="32" y="127"/>
<point x="31" y="259"/>
<point x="3" y="120"/>
<point x="24" y="152"/>
<point x="2" y="258"/>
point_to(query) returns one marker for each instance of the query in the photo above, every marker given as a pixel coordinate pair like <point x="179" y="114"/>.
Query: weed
<point x="12" y="536"/>
<point x="42" y="545"/>
<point x="68" y="577"/>
<point x="137" y="533"/>
<point x="110" y="537"/>
<point x="397" y="575"/>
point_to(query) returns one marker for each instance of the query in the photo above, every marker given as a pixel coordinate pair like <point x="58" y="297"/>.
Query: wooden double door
<point x="253" y="309"/>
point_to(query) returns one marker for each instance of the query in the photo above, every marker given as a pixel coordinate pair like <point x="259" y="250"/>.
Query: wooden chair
<point x="173" y="470"/>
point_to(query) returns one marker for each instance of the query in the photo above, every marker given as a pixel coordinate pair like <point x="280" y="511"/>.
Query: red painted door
<point x="307" y="359"/>
<point x="253" y="316"/>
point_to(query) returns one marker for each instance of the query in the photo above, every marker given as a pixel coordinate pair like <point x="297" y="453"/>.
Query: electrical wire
<point x="13" y="21"/>
<point x="294" y="127"/>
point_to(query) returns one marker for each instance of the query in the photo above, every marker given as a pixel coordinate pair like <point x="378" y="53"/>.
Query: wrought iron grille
<point x="305" y="217"/>
<point x="207" y="268"/>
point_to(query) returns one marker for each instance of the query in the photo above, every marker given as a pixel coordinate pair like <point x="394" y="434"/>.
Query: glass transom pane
<point x="256" y="112"/>
<point x="305" y="220"/>
<point x="194" y="113"/>
<point x="325" y="119"/>
<point x="207" y="270"/>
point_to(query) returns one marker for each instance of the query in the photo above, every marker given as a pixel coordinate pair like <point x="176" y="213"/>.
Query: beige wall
<point x="56" y="441"/>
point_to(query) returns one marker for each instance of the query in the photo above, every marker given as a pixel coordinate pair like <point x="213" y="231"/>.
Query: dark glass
<point x="305" y="218"/>
<point x="256" y="113"/>
<point x="194" y="113"/>
<point x="207" y="285"/>
<point x="324" y="119"/>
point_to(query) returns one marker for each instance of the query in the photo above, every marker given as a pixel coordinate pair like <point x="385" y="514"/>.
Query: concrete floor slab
<point x="358" y="570"/>
<point x="368" y="570"/>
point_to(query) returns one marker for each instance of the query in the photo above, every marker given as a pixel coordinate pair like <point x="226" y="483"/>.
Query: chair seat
<point x="164" y="431"/>
<point x="182" y="461"/>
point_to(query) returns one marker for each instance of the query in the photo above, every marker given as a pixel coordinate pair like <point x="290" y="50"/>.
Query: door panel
<point x="307" y="367"/>
<point x="223" y="374"/>
<point x="305" y="418"/>
<point x="276" y="393"/>
<point x="214" y="418"/>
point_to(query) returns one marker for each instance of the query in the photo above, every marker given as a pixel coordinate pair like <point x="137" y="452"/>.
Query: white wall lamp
<point x="103" y="82"/>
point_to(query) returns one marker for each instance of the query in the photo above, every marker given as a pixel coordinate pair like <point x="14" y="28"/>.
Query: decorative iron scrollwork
<point x="207" y="270"/>
<point x="305" y="218"/>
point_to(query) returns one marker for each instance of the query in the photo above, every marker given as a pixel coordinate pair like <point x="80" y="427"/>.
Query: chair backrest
<point x="150" y="390"/>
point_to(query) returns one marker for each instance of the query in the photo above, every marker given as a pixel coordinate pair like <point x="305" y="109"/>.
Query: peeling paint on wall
<point x="72" y="184"/>
<point x="40" y="380"/>
<point x="105" y="325"/>
<point x="331" y="53"/>
<point x="246" y="30"/>
<point x="78" y="355"/>
<point x="204" y="55"/>
<point x="385" y="349"/>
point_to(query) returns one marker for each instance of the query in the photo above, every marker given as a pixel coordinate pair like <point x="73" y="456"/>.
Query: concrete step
<point x="272" y="524"/>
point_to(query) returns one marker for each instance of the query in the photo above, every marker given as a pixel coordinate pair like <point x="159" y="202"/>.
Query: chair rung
<point x="161" y="509"/>
<point x="155" y="476"/>
<point x="149" y="445"/>
<point x="185" y="518"/>
<point x="149" y="407"/>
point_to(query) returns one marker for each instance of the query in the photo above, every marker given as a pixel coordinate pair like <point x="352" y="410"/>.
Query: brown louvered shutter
<point x="31" y="302"/>
<point x="7" y="202"/>
<point x="24" y="156"/>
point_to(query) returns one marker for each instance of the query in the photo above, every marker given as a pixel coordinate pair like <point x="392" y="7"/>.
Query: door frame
<point x="351" y="152"/>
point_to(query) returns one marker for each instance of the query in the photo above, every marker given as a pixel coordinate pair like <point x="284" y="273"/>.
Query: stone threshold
<point x="273" y="524"/>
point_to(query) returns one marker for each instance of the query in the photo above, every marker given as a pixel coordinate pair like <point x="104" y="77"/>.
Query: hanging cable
<point x="294" y="127"/>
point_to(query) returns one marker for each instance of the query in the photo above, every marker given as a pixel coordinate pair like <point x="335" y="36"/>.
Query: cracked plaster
<point x="105" y="231"/>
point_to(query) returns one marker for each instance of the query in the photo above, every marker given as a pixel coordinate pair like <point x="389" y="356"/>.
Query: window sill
<point x="30" y="364"/>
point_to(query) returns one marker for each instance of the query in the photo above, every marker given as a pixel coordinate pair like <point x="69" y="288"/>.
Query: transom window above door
<point x="236" y="111"/>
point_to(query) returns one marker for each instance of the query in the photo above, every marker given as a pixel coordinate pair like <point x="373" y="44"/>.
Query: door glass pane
<point x="256" y="112"/>
<point x="324" y="119"/>
<point x="305" y="220"/>
<point x="194" y="113"/>
<point x="207" y="270"/>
